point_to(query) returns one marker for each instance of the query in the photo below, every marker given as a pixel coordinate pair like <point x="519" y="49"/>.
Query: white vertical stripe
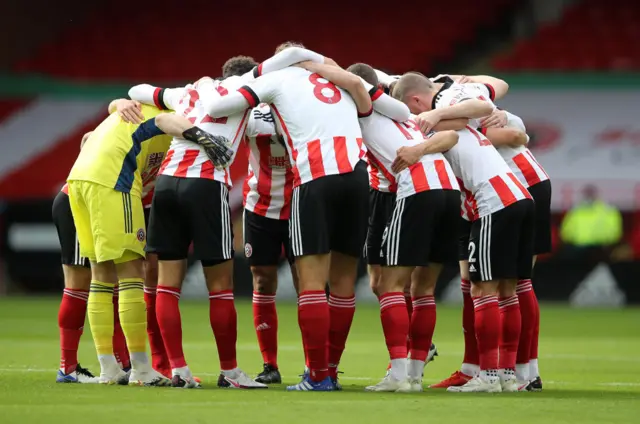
<point x="298" y="226"/>
<point x="398" y="232"/>
<point x="244" y="232"/>
<point x="482" y="249"/>
<point x="489" y="274"/>
<point x="296" y="236"/>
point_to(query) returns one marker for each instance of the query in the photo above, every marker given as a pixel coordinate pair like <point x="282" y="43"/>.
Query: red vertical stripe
<point x="374" y="180"/>
<point x="504" y="193"/>
<point x="524" y="191"/>
<point x="292" y="151"/>
<point x="362" y="151"/>
<point x="285" y="212"/>
<point x="316" y="165"/>
<point x="187" y="160"/>
<point x="166" y="161"/>
<point x="469" y="203"/>
<point x="419" y="177"/>
<point x="537" y="163"/>
<point x="246" y="188"/>
<point x="264" y="177"/>
<point x="403" y="130"/>
<point x="342" y="154"/>
<point x="207" y="170"/>
<point x="527" y="170"/>
<point x="392" y="181"/>
<point x="443" y="175"/>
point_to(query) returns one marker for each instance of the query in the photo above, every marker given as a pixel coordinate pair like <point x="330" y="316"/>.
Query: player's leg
<point x="169" y="239"/>
<point x="207" y="203"/>
<point x="471" y="361"/>
<point x="159" y="358"/>
<point x="73" y="307"/>
<point x="349" y="213"/>
<point x="120" y="349"/>
<point x="263" y="240"/>
<point x="309" y="237"/>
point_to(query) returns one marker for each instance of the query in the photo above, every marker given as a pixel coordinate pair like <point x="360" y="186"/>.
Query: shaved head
<point x="365" y="72"/>
<point x="411" y="83"/>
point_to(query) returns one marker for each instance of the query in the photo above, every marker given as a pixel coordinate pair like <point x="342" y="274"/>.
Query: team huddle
<point x="414" y="172"/>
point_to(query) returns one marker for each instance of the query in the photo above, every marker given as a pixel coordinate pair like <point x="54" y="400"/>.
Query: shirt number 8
<point x="318" y="87"/>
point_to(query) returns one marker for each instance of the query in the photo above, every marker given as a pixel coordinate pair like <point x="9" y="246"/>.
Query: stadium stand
<point x="593" y="35"/>
<point x="107" y="47"/>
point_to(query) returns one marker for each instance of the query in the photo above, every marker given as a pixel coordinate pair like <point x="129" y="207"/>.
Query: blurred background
<point x="573" y="67"/>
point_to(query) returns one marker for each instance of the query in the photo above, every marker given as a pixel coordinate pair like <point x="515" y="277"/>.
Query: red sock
<point x="423" y="324"/>
<point x="468" y="326"/>
<point x="119" y="340"/>
<point x="526" y="298"/>
<point x="170" y="323"/>
<point x="73" y="309"/>
<point x="409" y="302"/>
<point x="341" y="311"/>
<point x="265" y="321"/>
<point x="536" y="328"/>
<point x="304" y="347"/>
<point x="487" y="325"/>
<point x="510" y="332"/>
<point x="224" y="323"/>
<point x="314" y="321"/>
<point x="395" y="323"/>
<point x="159" y="358"/>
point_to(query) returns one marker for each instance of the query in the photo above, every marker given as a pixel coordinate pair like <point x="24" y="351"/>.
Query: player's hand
<point x="202" y="81"/>
<point x="406" y="156"/>
<point x="427" y="120"/>
<point x="497" y="119"/>
<point x="129" y="111"/>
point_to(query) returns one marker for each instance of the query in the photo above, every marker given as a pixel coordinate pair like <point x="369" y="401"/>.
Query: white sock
<point x="416" y="368"/>
<point x="108" y="362"/>
<point x="231" y="373"/>
<point x="533" y="369"/>
<point x="399" y="368"/>
<point x="470" y="369"/>
<point x="139" y="361"/>
<point x="182" y="371"/>
<point x="490" y="376"/>
<point x="522" y="372"/>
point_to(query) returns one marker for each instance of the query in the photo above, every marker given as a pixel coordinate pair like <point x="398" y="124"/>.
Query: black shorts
<point x="423" y="229"/>
<point x="63" y="220"/>
<point x="501" y="244"/>
<point x="330" y="214"/>
<point x="186" y="210"/>
<point x="264" y="239"/>
<point x="464" y="232"/>
<point x="380" y="209"/>
<point x="541" y="194"/>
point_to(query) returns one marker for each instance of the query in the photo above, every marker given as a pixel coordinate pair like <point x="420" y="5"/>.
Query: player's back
<point x="319" y="121"/>
<point x="116" y="153"/>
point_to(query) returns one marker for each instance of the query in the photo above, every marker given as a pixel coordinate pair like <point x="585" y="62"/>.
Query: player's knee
<point x="151" y="271"/>
<point x="423" y="282"/>
<point x="507" y="288"/>
<point x="104" y="271"/>
<point x="76" y="277"/>
<point x="219" y="277"/>
<point x="131" y="269"/>
<point x="374" y="278"/>
<point x="484" y="288"/>
<point x="265" y="279"/>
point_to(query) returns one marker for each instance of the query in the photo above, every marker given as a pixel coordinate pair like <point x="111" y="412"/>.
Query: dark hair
<point x="238" y="65"/>
<point x="287" y="44"/>
<point x="365" y="72"/>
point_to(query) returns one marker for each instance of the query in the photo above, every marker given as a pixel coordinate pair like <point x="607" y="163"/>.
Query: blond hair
<point x="411" y="83"/>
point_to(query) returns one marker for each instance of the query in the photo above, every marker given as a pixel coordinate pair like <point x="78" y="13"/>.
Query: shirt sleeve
<point x="514" y="121"/>
<point x="262" y="90"/>
<point x="261" y="122"/>
<point x="385" y="104"/>
<point x="384" y="78"/>
<point x="286" y="58"/>
<point x="162" y="98"/>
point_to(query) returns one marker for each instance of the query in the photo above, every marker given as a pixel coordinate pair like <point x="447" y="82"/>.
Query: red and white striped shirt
<point x="383" y="137"/>
<point x="188" y="160"/>
<point x="317" y="120"/>
<point x="489" y="183"/>
<point x="269" y="185"/>
<point x="520" y="159"/>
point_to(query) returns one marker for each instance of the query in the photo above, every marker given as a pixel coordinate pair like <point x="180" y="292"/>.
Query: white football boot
<point x="390" y="384"/>
<point x="415" y="385"/>
<point x="478" y="385"/>
<point x="238" y="379"/>
<point x="147" y="376"/>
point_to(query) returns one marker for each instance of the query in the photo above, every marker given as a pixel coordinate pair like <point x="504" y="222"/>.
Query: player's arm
<point x="387" y="105"/>
<point x="510" y="137"/>
<point x="128" y="110"/>
<point x="438" y="143"/>
<point x="497" y="87"/>
<point x="451" y="124"/>
<point x="262" y="90"/>
<point x="162" y="98"/>
<point x="346" y="80"/>
<point x="384" y="78"/>
<point x="285" y="58"/>
<point x="466" y="108"/>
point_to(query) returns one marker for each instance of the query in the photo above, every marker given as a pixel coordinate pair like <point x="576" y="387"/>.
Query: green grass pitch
<point x="590" y="364"/>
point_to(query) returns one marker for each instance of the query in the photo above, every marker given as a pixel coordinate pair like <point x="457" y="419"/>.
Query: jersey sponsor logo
<point x="248" y="250"/>
<point x="140" y="234"/>
<point x="155" y="159"/>
<point x="282" y="162"/>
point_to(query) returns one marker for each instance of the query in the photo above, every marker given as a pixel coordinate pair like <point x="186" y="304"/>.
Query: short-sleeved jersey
<point x="269" y="185"/>
<point x="318" y="121"/>
<point x="117" y="154"/>
<point x="487" y="183"/>
<point x="186" y="159"/>
<point x="383" y="137"/>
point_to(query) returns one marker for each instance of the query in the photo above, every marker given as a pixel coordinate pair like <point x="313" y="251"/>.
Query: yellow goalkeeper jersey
<point x="117" y="153"/>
